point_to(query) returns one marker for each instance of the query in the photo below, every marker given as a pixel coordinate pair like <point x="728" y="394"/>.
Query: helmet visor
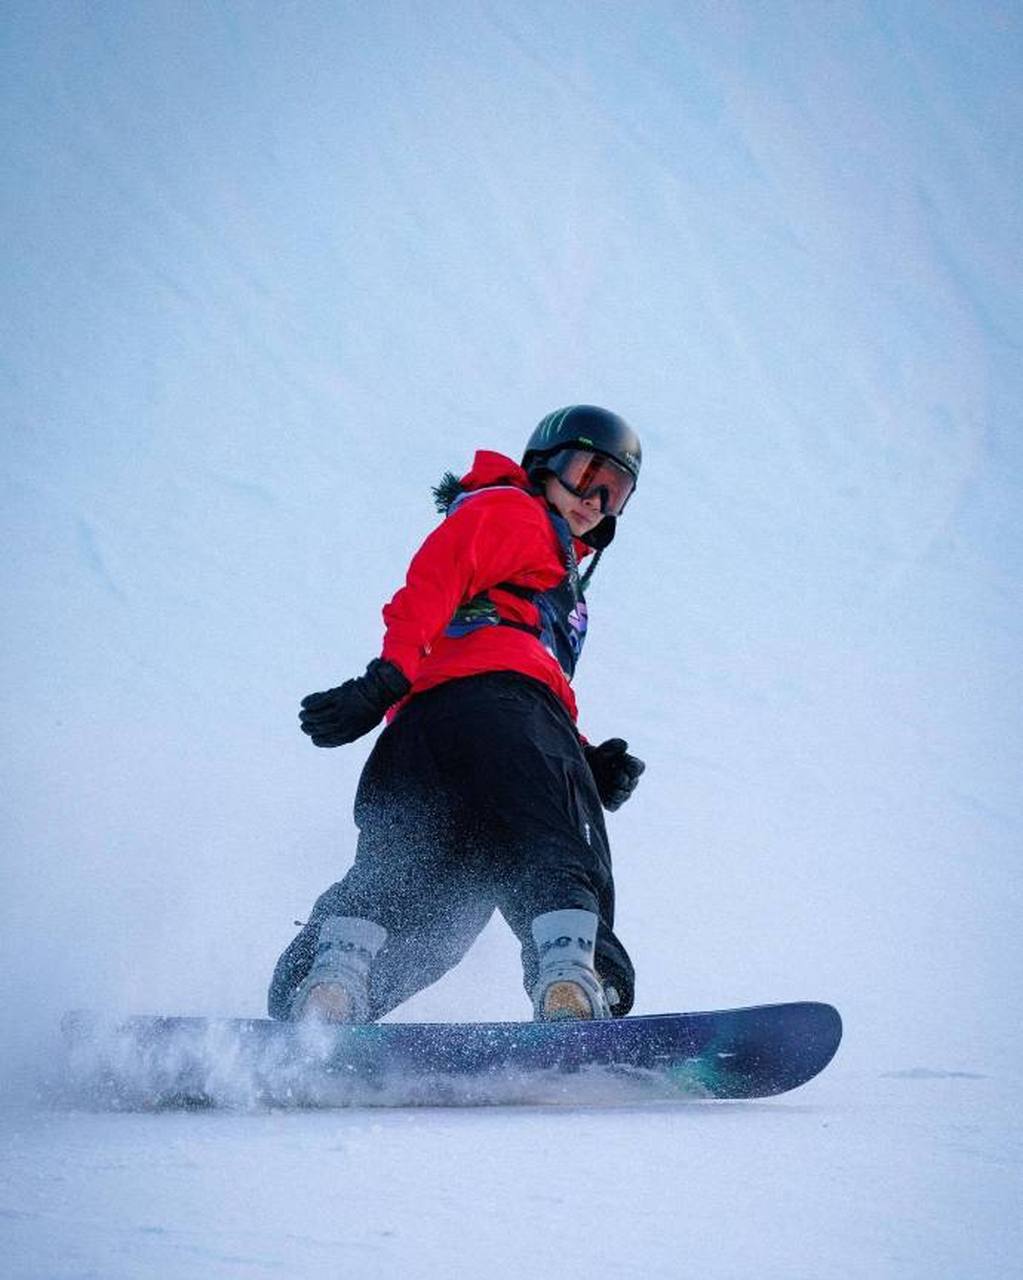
<point x="588" y="474"/>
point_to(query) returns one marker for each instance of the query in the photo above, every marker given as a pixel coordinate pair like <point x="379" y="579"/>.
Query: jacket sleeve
<point x="495" y="537"/>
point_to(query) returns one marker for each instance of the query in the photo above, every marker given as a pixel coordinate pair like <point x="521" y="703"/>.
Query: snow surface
<point x="269" y="271"/>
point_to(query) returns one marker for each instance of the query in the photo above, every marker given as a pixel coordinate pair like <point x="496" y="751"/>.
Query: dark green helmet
<point x="585" y="426"/>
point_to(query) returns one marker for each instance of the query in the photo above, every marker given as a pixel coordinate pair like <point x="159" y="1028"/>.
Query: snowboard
<point x="161" y="1062"/>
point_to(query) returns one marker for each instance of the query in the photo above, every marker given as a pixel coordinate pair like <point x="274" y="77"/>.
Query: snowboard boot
<point x="567" y="986"/>
<point x="336" y="988"/>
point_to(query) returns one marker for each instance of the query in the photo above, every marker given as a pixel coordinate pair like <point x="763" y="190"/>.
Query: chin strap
<point x="603" y="535"/>
<point x="584" y="581"/>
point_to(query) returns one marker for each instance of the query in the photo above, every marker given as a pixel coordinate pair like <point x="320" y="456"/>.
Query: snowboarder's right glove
<point x="615" y="772"/>
<point x="343" y="714"/>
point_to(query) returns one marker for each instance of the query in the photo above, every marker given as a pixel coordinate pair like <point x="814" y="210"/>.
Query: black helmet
<point x="587" y="427"/>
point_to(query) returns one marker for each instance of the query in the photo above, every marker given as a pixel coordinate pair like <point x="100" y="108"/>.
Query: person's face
<point x="582" y="514"/>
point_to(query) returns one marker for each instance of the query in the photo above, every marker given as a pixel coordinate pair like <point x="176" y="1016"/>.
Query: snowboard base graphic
<point x="160" y="1062"/>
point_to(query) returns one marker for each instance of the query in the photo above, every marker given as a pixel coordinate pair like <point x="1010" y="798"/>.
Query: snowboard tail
<point x="155" y="1062"/>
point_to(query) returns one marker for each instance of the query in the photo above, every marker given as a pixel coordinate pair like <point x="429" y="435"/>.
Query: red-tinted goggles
<point x="588" y="474"/>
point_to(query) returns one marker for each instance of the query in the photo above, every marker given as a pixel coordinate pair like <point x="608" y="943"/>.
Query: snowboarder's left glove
<point x="343" y="714"/>
<point x="615" y="772"/>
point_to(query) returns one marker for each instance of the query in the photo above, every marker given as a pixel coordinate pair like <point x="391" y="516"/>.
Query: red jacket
<point x="501" y="536"/>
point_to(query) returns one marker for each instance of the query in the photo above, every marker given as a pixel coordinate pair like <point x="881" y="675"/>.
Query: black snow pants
<point x="477" y="796"/>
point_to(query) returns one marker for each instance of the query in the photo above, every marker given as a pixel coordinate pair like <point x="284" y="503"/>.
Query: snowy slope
<point x="269" y="271"/>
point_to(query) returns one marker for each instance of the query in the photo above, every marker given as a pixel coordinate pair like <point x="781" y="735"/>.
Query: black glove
<point x="343" y="714"/>
<point x="615" y="772"/>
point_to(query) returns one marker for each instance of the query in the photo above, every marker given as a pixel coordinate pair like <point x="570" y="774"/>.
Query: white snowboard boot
<point x="567" y="986"/>
<point x="336" y="988"/>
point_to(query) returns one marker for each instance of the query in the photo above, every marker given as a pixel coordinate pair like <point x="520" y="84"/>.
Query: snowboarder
<point x="480" y="793"/>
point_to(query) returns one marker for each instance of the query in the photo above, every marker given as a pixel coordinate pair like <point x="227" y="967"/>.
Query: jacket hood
<point x="487" y="469"/>
<point x="494" y="468"/>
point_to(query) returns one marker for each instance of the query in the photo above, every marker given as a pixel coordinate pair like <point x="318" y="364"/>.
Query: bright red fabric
<point x="503" y="535"/>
